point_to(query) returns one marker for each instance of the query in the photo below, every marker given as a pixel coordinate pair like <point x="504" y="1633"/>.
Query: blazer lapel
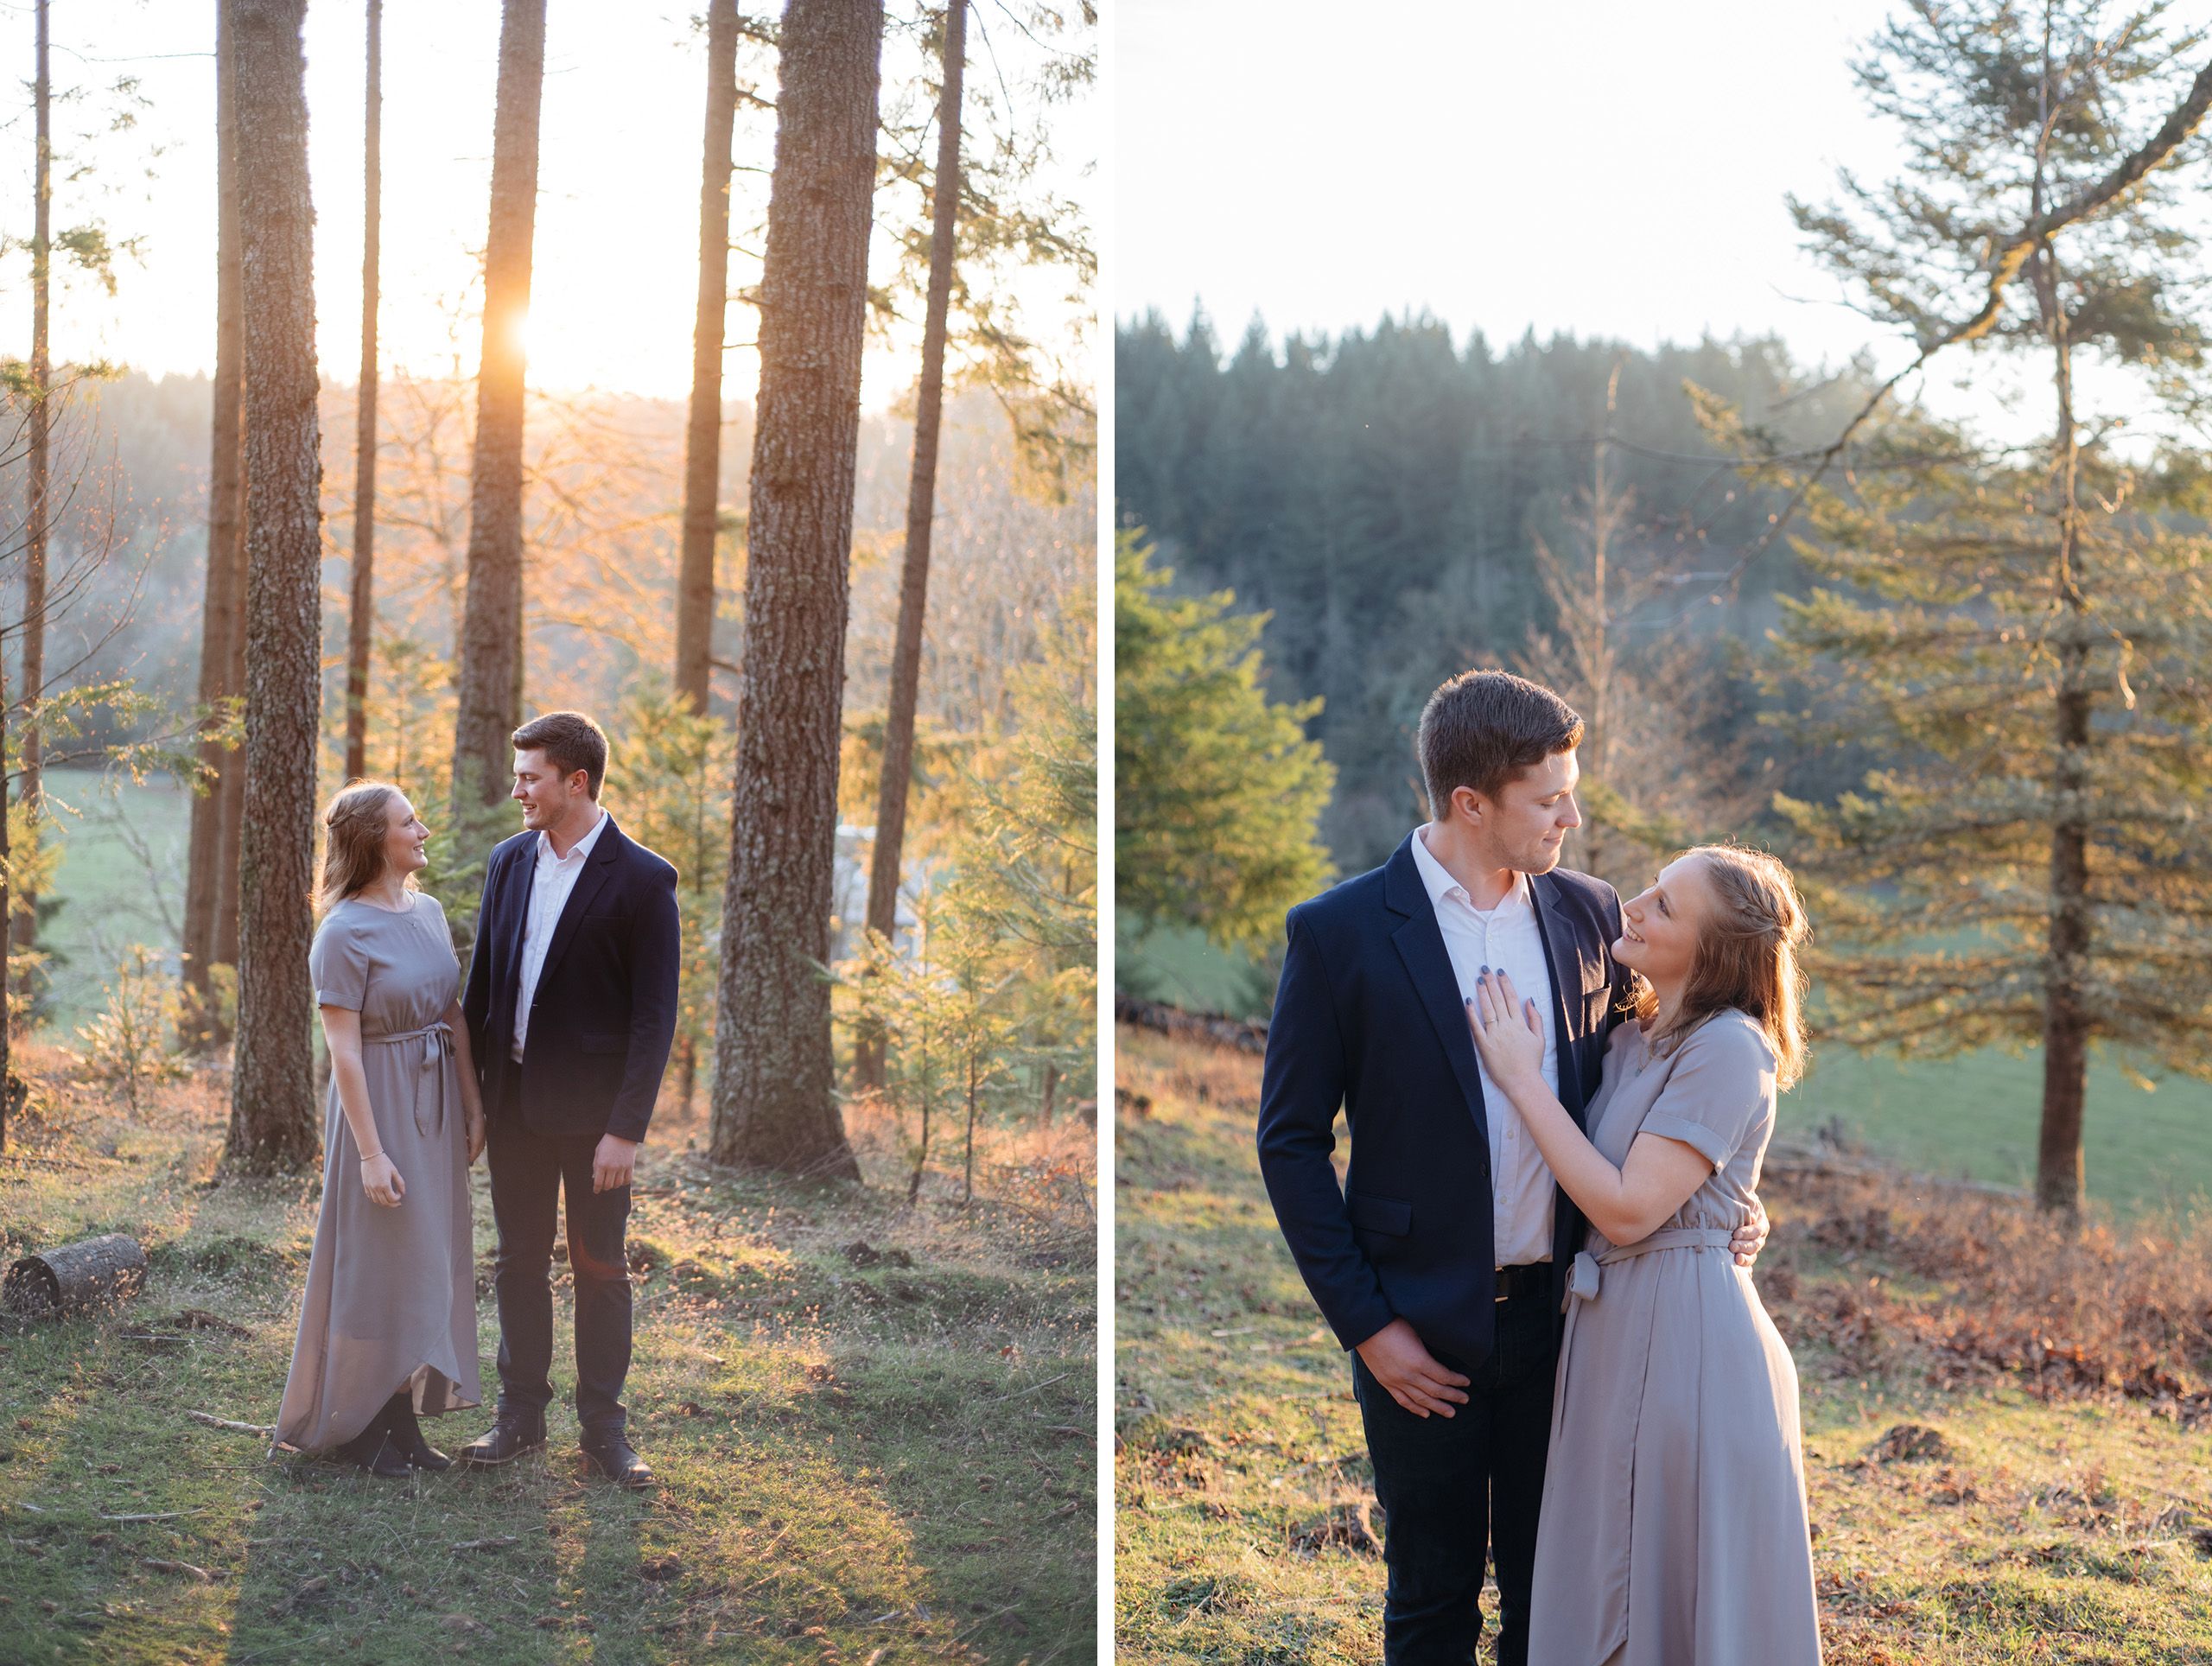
<point x="1556" y="931"/>
<point x="1420" y="945"/>
<point x="597" y="867"/>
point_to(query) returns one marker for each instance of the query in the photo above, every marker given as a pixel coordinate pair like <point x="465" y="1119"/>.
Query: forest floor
<point x="874" y="1425"/>
<point x="2008" y="1437"/>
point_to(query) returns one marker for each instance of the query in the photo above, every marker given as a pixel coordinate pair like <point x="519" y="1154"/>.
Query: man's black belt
<point x="1533" y="1278"/>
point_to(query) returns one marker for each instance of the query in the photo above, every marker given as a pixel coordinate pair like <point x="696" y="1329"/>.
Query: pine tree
<point x="211" y="851"/>
<point x="2029" y="641"/>
<point x="702" y="438"/>
<point x="1216" y="790"/>
<point x="775" y="1103"/>
<point x="361" y="617"/>
<point x="490" y="642"/>
<point x="274" y="1128"/>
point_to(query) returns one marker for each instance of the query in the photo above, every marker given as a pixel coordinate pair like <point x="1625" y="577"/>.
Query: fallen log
<point x="74" y="1278"/>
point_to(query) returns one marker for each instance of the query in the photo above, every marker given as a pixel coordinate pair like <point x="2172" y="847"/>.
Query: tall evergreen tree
<point x="2033" y="643"/>
<point x="361" y="617"/>
<point x="1218" y="794"/>
<point x="212" y="856"/>
<point x="273" y="1124"/>
<point x="38" y="515"/>
<point x="491" y="641"/>
<point x="702" y="435"/>
<point x="774" y="1101"/>
<point x="921" y="508"/>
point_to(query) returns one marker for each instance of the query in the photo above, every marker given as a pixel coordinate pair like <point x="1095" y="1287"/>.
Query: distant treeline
<point x="1382" y="494"/>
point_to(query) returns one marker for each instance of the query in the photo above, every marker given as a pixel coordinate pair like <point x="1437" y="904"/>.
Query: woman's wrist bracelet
<point x="371" y="1156"/>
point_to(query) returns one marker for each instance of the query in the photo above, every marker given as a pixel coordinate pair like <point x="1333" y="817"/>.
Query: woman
<point x="388" y="1328"/>
<point x="1674" y="1520"/>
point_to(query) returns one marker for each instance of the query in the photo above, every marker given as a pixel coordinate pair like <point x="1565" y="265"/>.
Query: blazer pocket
<point x="1388" y="1216"/>
<point x="602" y="1044"/>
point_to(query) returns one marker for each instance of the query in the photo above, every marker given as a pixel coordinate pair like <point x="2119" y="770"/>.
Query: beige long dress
<point x="391" y="1300"/>
<point x="1674" y="1524"/>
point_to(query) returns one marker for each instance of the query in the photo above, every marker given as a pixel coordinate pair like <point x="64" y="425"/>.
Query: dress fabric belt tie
<point x="430" y="1118"/>
<point x="1582" y="1278"/>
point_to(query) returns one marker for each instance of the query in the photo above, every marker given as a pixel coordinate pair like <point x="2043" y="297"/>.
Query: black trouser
<point x="1448" y="1484"/>
<point x="529" y="1172"/>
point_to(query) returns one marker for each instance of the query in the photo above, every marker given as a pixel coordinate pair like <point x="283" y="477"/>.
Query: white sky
<point x="617" y="233"/>
<point x="1613" y="168"/>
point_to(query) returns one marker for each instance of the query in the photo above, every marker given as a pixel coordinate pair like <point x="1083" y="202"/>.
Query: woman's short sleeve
<point x="338" y="962"/>
<point x="1720" y="1090"/>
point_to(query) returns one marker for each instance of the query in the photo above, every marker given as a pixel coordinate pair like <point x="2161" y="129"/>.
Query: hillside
<point x="2008" y="1435"/>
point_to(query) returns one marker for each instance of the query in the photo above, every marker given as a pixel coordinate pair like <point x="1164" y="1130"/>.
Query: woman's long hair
<point x="353" y="831"/>
<point x="1746" y="958"/>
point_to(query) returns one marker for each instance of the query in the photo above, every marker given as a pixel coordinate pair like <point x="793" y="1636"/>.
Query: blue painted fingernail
<point x="1485" y="971"/>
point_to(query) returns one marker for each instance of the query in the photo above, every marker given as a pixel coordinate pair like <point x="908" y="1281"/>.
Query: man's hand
<point x="1750" y="1237"/>
<point x="1401" y="1364"/>
<point x="612" y="1162"/>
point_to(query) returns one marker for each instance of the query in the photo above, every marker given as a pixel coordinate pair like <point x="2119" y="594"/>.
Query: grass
<point x="1975" y="1117"/>
<point x="861" y="1459"/>
<point x="1972" y="1502"/>
<point x="121" y="881"/>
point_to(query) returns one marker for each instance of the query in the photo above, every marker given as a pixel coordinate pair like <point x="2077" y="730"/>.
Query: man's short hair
<point x="1483" y="728"/>
<point x="570" y="741"/>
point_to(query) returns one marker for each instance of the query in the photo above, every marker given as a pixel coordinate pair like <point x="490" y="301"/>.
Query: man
<point x="571" y="1009"/>
<point x="1440" y="1261"/>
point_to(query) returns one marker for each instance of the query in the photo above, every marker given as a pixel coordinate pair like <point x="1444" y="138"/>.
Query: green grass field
<point x="2067" y="1530"/>
<point x="121" y="881"/>
<point x="1971" y="1117"/>
<point x="862" y="1459"/>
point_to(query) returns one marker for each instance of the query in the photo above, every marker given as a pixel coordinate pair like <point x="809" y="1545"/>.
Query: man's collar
<point x="1437" y="878"/>
<point x="580" y="848"/>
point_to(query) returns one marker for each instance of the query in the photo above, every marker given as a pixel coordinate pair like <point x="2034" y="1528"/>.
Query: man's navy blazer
<point x="603" y="1015"/>
<point x="1368" y="1016"/>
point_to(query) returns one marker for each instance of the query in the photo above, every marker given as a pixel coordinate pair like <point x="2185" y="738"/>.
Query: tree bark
<point x="211" y="865"/>
<point x="2065" y="1012"/>
<point x="702" y="439"/>
<point x="774" y="1102"/>
<point x="490" y="703"/>
<point x="23" y="916"/>
<point x="921" y="507"/>
<point x="272" y="1100"/>
<point x="361" y="617"/>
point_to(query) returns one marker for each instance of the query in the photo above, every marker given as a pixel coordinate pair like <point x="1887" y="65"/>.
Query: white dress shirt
<point x="549" y="894"/>
<point x="1505" y="938"/>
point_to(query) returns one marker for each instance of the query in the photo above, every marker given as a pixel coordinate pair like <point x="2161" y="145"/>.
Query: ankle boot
<point x="407" y="1436"/>
<point x="372" y="1451"/>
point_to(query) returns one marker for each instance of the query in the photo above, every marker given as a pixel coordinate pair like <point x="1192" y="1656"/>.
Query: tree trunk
<point x="2066" y="1023"/>
<point x="774" y="1100"/>
<point x="211" y="866"/>
<point x="362" y="616"/>
<point x="702" y="439"/>
<point x="490" y="644"/>
<point x="921" y="506"/>
<point x="272" y="1095"/>
<point x="24" y="913"/>
<point x="968" y="1183"/>
<point x="7" y="1029"/>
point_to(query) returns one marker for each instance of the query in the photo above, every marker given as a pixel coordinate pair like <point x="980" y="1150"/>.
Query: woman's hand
<point x="381" y="1181"/>
<point x="475" y="1136"/>
<point x="1512" y="1047"/>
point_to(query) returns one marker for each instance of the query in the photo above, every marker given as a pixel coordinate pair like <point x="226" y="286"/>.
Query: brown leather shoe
<point x="614" y="1457"/>
<point x="507" y="1439"/>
